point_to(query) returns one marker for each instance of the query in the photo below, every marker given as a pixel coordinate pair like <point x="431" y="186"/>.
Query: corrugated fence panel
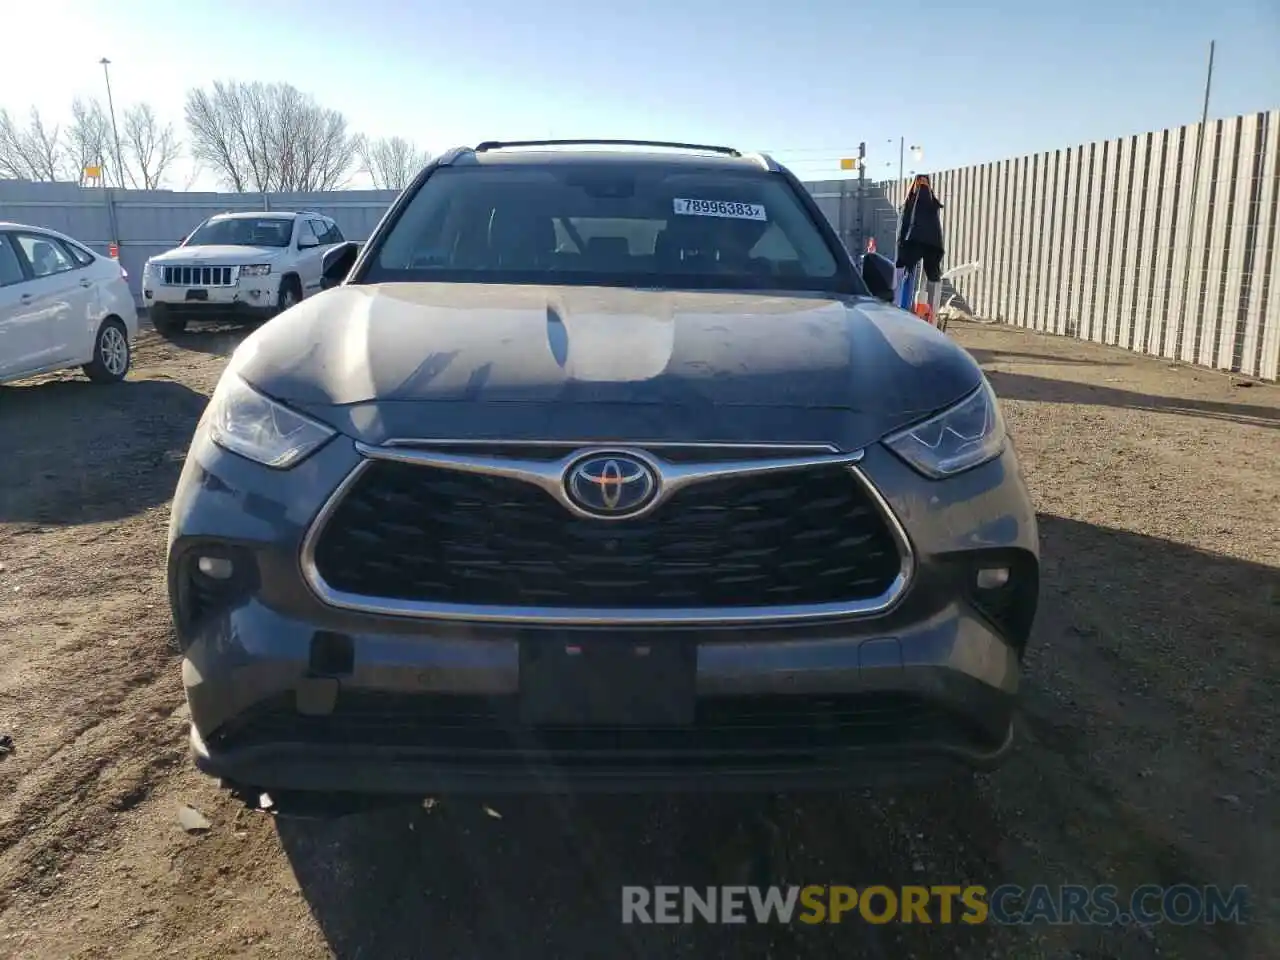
<point x="1194" y="266"/>
<point x="1070" y="286"/>
<point x="1208" y="268"/>
<point x="1004" y="216"/>
<point x="1267" y="358"/>
<point x="1024" y="194"/>
<point x="1156" y="244"/>
<point x="1008" y="243"/>
<point x="1184" y="209"/>
<point x="1264" y="224"/>
<point x="1236" y="230"/>
<point x="1131" y="250"/>
<point x="1001" y="215"/>
<point x="1035" y="239"/>
<point x="1114" y="261"/>
<point x="1097" y="241"/>
<point x="1050" y="225"/>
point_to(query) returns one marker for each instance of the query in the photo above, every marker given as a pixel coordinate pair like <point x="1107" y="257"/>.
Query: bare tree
<point x="89" y="138"/>
<point x="33" y="152"/>
<point x="150" y="147"/>
<point x="269" y="137"/>
<point x="391" y="162"/>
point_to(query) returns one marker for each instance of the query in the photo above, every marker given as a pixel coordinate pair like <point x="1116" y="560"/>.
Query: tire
<point x="112" y="354"/>
<point x="166" y="325"/>
<point x="290" y="294"/>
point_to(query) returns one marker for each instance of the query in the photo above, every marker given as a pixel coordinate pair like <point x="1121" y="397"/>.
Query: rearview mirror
<point x="877" y="272"/>
<point x="338" y="263"/>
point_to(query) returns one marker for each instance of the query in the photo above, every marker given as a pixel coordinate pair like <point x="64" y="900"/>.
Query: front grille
<point x="420" y="533"/>
<point x="198" y="276"/>
<point x="723" y="726"/>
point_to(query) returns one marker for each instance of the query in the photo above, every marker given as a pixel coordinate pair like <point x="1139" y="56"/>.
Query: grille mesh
<point x="411" y="532"/>
<point x="199" y="276"/>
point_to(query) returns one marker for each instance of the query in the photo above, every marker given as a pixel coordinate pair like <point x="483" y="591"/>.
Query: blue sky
<point x="806" y="80"/>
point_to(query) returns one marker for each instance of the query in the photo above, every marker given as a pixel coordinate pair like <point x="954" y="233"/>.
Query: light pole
<point x="115" y="133"/>
<point x="917" y="153"/>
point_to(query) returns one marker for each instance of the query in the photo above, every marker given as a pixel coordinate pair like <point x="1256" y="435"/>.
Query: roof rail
<point x="765" y="161"/>
<point x="453" y="153"/>
<point x="697" y="147"/>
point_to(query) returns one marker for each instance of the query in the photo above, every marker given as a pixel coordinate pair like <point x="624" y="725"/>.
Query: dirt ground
<point x="1148" y="753"/>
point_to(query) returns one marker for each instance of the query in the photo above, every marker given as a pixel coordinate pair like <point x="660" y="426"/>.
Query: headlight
<point x="247" y="423"/>
<point x="958" y="439"/>
<point x="255" y="270"/>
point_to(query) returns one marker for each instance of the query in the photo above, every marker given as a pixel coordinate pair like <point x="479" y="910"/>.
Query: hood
<point x="470" y="360"/>
<point x="222" y="254"/>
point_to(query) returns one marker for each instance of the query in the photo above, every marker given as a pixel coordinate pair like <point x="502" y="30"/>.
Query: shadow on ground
<point x="546" y="879"/>
<point x="543" y="877"/>
<point x="1022" y="386"/>
<point x="76" y="452"/>
<point x="215" y="339"/>
<point x="1040" y="359"/>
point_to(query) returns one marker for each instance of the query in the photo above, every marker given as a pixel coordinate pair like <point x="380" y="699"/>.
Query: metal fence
<point x="1163" y="243"/>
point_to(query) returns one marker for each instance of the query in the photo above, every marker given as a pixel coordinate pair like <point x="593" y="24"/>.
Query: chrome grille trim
<point x="548" y="475"/>
<point x="198" y="275"/>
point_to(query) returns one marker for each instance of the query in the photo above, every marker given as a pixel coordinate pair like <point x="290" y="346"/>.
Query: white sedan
<point x="61" y="306"/>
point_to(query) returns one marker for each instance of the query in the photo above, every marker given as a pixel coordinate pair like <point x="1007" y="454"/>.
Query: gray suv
<point x="599" y="466"/>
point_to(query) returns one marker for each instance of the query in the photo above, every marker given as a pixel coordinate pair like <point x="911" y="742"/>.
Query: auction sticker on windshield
<point x="719" y="208"/>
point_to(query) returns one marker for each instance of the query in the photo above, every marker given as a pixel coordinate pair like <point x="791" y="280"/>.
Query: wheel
<point x="111" y="353"/>
<point x="290" y="294"/>
<point x="165" y="324"/>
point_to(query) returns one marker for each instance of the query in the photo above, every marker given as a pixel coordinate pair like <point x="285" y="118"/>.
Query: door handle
<point x="25" y="298"/>
<point x="86" y="283"/>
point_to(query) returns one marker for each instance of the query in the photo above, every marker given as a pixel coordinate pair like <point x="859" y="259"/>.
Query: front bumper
<point x="251" y="296"/>
<point x="287" y="693"/>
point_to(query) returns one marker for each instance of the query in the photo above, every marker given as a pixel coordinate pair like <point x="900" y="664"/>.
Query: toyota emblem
<point x="611" y="484"/>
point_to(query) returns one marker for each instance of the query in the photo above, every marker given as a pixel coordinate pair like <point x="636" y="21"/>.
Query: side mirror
<point x="306" y="243"/>
<point x="338" y="263"/>
<point x="878" y="272"/>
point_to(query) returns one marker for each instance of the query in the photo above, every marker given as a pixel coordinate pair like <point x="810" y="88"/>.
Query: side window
<point x="306" y="234"/>
<point x="45" y="254"/>
<point x="10" y="267"/>
<point x="325" y="230"/>
<point x="335" y="235"/>
<point x="79" y="254"/>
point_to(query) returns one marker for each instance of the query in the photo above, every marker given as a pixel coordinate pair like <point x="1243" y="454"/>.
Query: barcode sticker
<point x="719" y="208"/>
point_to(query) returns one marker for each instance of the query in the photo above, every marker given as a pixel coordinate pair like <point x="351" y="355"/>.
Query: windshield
<point x="642" y="225"/>
<point x="243" y="232"/>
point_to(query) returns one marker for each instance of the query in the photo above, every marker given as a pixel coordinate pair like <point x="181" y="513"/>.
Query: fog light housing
<point x="1003" y="585"/>
<point x="216" y="568"/>
<point x="992" y="578"/>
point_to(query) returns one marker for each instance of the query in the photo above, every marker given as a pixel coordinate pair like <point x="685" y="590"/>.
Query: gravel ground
<point x="1147" y="756"/>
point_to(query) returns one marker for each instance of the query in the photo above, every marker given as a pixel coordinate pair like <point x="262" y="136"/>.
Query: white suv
<point x="238" y="265"/>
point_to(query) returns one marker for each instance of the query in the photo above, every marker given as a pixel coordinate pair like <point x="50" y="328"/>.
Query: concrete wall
<point x="1116" y="241"/>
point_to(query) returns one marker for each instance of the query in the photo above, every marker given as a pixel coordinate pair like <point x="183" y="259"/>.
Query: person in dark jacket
<point x="920" y="232"/>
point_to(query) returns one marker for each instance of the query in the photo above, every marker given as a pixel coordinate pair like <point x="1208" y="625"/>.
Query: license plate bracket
<point x="618" y="681"/>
